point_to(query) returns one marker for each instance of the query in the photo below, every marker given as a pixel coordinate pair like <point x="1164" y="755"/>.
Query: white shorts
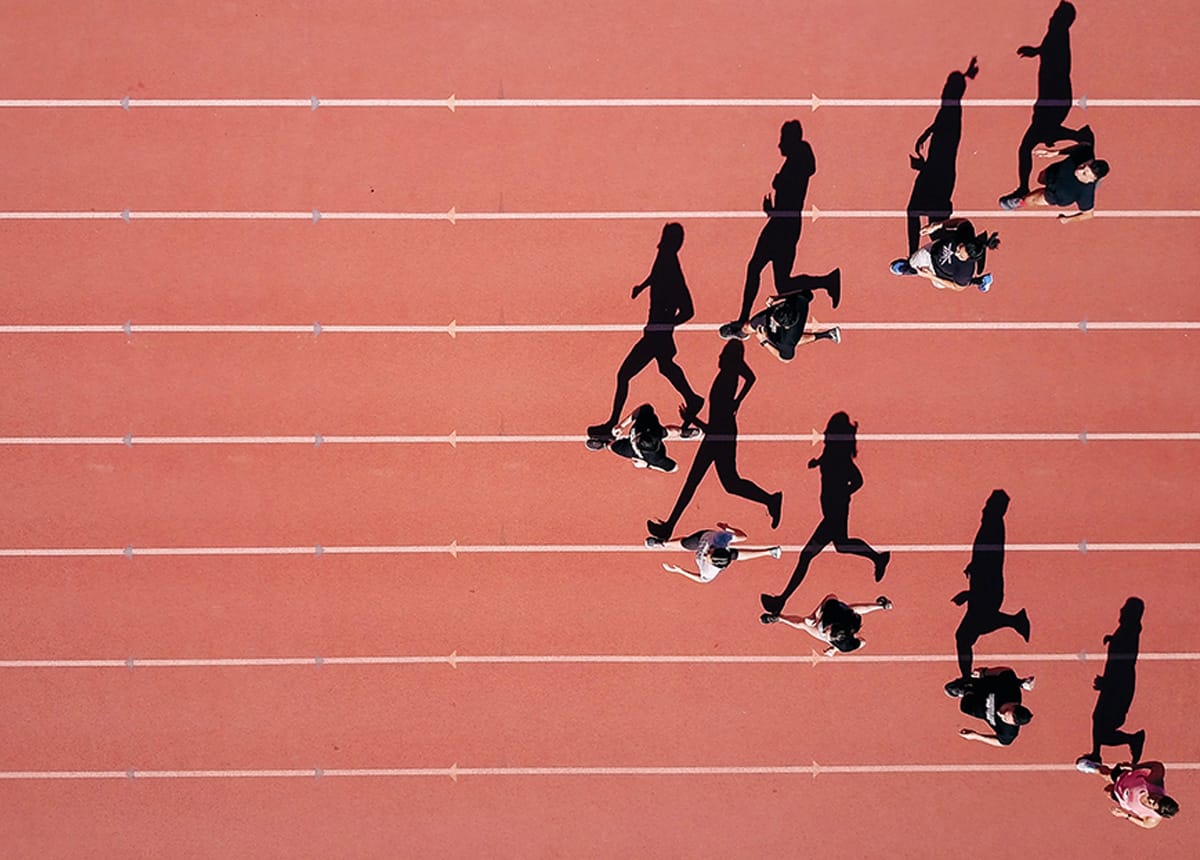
<point x="922" y="259"/>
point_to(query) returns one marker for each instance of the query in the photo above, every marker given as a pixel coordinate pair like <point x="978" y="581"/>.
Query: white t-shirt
<point x="711" y="539"/>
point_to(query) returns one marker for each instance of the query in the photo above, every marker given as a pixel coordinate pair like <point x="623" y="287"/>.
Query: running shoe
<point x="652" y="542"/>
<point x="985" y="283"/>
<point x="776" y="551"/>
<point x="836" y="334"/>
<point x="1012" y="201"/>
<point x="884" y="602"/>
<point x="901" y="267"/>
<point x="768" y="618"/>
<point x="1087" y="764"/>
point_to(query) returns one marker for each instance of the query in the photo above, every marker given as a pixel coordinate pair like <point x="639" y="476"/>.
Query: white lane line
<point x="453" y="328"/>
<point x="454" y="660"/>
<point x="455" y="439"/>
<point x="454" y="772"/>
<point x="455" y="549"/>
<point x="453" y="216"/>
<point x="453" y="103"/>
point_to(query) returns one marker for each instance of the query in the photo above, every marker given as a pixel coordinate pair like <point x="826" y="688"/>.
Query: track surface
<point x="726" y="706"/>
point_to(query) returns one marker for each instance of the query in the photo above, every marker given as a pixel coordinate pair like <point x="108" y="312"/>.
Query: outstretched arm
<point x="674" y="568"/>
<point x="972" y="735"/>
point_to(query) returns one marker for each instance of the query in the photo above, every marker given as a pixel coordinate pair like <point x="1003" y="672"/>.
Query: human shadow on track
<point x="840" y="479"/>
<point x="985" y="593"/>
<point x="937" y="166"/>
<point x="777" y="242"/>
<point x="719" y="446"/>
<point x="1054" y="94"/>
<point x="1117" y="685"/>
<point x="670" y="305"/>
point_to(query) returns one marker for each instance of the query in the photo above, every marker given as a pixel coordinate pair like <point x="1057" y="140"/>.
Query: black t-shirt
<point x="947" y="264"/>
<point x="786" y="339"/>
<point x="985" y="695"/>
<point x="1062" y="185"/>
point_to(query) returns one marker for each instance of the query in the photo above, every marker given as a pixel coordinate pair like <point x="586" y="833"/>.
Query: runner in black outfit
<point x="985" y="594"/>
<point x="780" y="328"/>
<point x="777" y="241"/>
<point x="1054" y="95"/>
<point x="719" y="446"/>
<point x="644" y="445"/>
<point x="1070" y="182"/>
<point x="840" y="479"/>
<point x="670" y="305"/>
<point x="994" y="696"/>
<point x="956" y="258"/>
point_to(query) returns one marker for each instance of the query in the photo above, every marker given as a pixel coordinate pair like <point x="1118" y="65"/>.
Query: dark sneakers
<point x="768" y="618"/>
<point x="901" y="267"/>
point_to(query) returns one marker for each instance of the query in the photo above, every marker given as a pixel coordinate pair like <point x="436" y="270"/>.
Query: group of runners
<point x="953" y="257"/>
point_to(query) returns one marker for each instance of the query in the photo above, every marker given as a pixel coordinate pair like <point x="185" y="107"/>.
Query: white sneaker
<point x="837" y="334"/>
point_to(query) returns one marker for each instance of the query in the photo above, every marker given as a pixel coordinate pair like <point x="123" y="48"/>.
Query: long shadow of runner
<point x="719" y="445"/>
<point x="1116" y="687"/>
<point x="1054" y="95"/>
<point x="937" y="167"/>
<point x="777" y="242"/>
<point x="670" y="306"/>
<point x="840" y="479"/>
<point x="985" y="594"/>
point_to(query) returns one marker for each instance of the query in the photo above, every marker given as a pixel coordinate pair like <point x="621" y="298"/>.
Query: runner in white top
<point x="713" y="551"/>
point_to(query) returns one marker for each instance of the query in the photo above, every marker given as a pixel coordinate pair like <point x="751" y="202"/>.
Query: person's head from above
<point x="791" y="137"/>
<point x="843" y="639"/>
<point x="647" y="442"/>
<point x="1014" y="714"/>
<point x="722" y="556"/>
<point x="672" y="237"/>
<point x="996" y="504"/>
<point x="1064" y="15"/>
<point x="974" y="249"/>
<point x="733" y="355"/>
<point x="1091" y="171"/>
<point x="786" y="314"/>
<point x="1163" y="805"/>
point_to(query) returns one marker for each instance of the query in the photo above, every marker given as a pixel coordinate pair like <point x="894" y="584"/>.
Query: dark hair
<point x="1167" y="807"/>
<point x="721" y="556"/>
<point x="843" y="639"/>
<point x="1099" y="168"/>
<point x="786" y="314"/>
<point x="981" y="244"/>
<point x="1021" y="715"/>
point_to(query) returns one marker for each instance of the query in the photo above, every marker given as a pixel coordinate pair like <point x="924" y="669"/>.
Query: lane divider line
<point x="455" y="549"/>
<point x="454" y="660"/>
<point x="452" y="103"/>
<point x="454" y="439"/>
<point x="454" y="328"/>
<point x="455" y="771"/>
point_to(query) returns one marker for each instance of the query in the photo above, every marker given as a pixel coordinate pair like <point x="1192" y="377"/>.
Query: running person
<point x="1138" y="791"/>
<point x="1070" y="182"/>
<point x="994" y="696"/>
<point x="777" y="241"/>
<point x="833" y="622"/>
<point x="713" y="551"/>
<point x="954" y="260"/>
<point x="643" y="444"/>
<point x="840" y="479"/>
<point x="780" y="328"/>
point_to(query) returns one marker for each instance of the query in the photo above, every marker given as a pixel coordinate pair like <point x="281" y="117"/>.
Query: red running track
<point x="738" y="698"/>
